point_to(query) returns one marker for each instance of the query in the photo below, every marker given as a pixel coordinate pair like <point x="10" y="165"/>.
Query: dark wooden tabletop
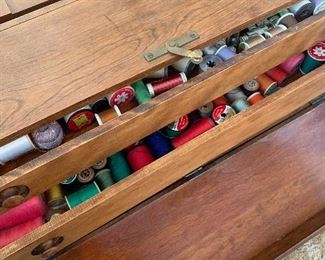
<point x="241" y="206"/>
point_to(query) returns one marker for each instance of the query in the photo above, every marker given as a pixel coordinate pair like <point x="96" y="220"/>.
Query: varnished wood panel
<point x="62" y="60"/>
<point x="161" y="173"/>
<point x="4" y="10"/>
<point x="17" y="6"/>
<point x="236" y="209"/>
<point x="87" y="149"/>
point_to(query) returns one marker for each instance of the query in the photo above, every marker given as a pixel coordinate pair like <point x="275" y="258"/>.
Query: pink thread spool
<point x="12" y="234"/>
<point x="291" y="65"/>
<point x="30" y="209"/>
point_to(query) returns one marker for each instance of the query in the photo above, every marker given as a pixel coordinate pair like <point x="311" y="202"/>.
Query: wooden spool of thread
<point x="86" y="175"/>
<point x="158" y="144"/>
<point x="277" y="75"/>
<point x="199" y="127"/>
<point x="54" y="196"/>
<point x="82" y="194"/>
<point x="319" y="6"/>
<point x="291" y="65"/>
<point x="160" y="86"/>
<point x="12" y="234"/>
<point x="104" y="179"/>
<point x="254" y="98"/>
<point x="251" y="41"/>
<point x="28" y="210"/>
<point x="80" y="119"/>
<point x="222" y="113"/>
<point x="277" y="29"/>
<point x="121" y="96"/>
<point x="119" y="166"/>
<point x="139" y="157"/>
<point x="302" y="10"/>
<point x="267" y="85"/>
<point x="142" y="94"/>
<point x="100" y="165"/>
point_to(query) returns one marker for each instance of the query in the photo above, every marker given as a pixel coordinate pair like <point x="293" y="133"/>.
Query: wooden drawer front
<point x="78" y="154"/>
<point x="90" y="215"/>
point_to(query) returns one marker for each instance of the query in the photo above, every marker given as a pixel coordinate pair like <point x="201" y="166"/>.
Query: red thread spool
<point x="139" y="157"/>
<point x="195" y="130"/>
<point x="157" y="87"/>
<point x="219" y="101"/>
<point x="12" y="234"/>
<point x="30" y="209"/>
<point x="79" y="119"/>
<point x="277" y="74"/>
<point x="254" y="98"/>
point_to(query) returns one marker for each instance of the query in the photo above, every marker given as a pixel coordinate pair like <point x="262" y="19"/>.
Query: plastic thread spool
<point x="119" y="166"/>
<point x="254" y="98"/>
<point x="222" y="113"/>
<point x="28" y="210"/>
<point x="15" y="149"/>
<point x="240" y="105"/>
<point x="314" y="58"/>
<point x="121" y="96"/>
<point x="162" y="73"/>
<point x="48" y="137"/>
<point x="104" y="179"/>
<point x="69" y="180"/>
<point x="267" y="85"/>
<point x="158" y="144"/>
<point x="79" y="119"/>
<point x="277" y="75"/>
<point x="319" y="6"/>
<point x="100" y="165"/>
<point x="235" y="94"/>
<point x="54" y="196"/>
<point x="199" y="127"/>
<point x="225" y="53"/>
<point x="81" y="194"/>
<point x="86" y="175"/>
<point x="205" y="111"/>
<point x="209" y="61"/>
<point x="100" y="105"/>
<point x="142" y="94"/>
<point x="11" y="234"/>
<point x="139" y="157"/>
<point x="283" y="17"/>
<point x="184" y="65"/>
<point x="302" y="10"/>
<point x="275" y="31"/>
<point x="160" y="86"/>
<point x="251" y="42"/>
<point x="291" y="65"/>
<point x="219" y="101"/>
<point x="175" y="128"/>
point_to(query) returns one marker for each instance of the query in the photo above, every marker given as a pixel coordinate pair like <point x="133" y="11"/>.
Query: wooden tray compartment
<point x="78" y="154"/>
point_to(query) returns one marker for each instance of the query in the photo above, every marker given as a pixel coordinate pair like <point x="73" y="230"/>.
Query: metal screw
<point x="193" y="35"/>
<point x="149" y="55"/>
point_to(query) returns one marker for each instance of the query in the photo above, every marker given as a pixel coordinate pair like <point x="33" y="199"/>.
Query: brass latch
<point x="174" y="46"/>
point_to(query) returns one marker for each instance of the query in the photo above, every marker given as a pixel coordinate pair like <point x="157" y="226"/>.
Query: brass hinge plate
<point x="180" y="41"/>
<point x="318" y="100"/>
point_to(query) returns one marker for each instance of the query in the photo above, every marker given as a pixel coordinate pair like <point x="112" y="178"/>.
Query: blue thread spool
<point x="240" y="105"/>
<point x="158" y="144"/>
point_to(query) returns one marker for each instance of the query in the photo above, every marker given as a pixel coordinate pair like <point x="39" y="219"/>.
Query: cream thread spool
<point x="184" y="65"/>
<point x="274" y="31"/>
<point x="251" y="41"/>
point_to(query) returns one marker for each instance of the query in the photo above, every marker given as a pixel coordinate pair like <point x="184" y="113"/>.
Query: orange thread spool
<point x="267" y="85"/>
<point x="254" y="98"/>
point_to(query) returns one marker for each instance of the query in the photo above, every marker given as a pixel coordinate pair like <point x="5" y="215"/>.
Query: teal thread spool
<point x="240" y="105"/>
<point x="81" y="194"/>
<point x="104" y="179"/>
<point x="119" y="166"/>
<point x="142" y="94"/>
<point x="170" y="133"/>
<point x="315" y="57"/>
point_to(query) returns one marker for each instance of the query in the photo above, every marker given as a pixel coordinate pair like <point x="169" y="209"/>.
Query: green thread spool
<point x="81" y="194"/>
<point x="119" y="166"/>
<point x="170" y="133"/>
<point x="309" y="64"/>
<point x="104" y="179"/>
<point x="142" y="94"/>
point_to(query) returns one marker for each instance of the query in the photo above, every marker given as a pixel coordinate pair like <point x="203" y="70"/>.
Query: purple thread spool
<point x="48" y="136"/>
<point x="319" y="6"/>
<point x="225" y="53"/>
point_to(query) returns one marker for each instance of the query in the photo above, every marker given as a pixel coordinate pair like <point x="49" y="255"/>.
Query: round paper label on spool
<point x="180" y="124"/>
<point x="120" y="96"/>
<point x="252" y="85"/>
<point x="317" y="52"/>
<point x="80" y="120"/>
<point x="221" y="113"/>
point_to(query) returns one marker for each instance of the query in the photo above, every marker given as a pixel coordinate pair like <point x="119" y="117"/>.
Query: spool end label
<point x="122" y="95"/>
<point x="317" y="52"/>
<point x="180" y="124"/>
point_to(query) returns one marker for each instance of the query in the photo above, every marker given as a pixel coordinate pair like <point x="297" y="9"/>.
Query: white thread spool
<point x="184" y="65"/>
<point x="159" y="74"/>
<point x="15" y="149"/>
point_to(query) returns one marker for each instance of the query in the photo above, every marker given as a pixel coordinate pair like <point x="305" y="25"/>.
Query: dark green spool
<point x="309" y="64"/>
<point x="119" y="166"/>
<point x="170" y="133"/>
<point x="142" y="94"/>
<point x="104" y="179"/>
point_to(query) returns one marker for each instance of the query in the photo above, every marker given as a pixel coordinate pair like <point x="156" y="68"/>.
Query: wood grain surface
<point x="158" y="175"/>
<point x="236" y="209"/>
<point x="17" y="6"/>
<point x="64" y="59"/>
<point x="98" y="143"/>
<point x="4" y="9"/>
